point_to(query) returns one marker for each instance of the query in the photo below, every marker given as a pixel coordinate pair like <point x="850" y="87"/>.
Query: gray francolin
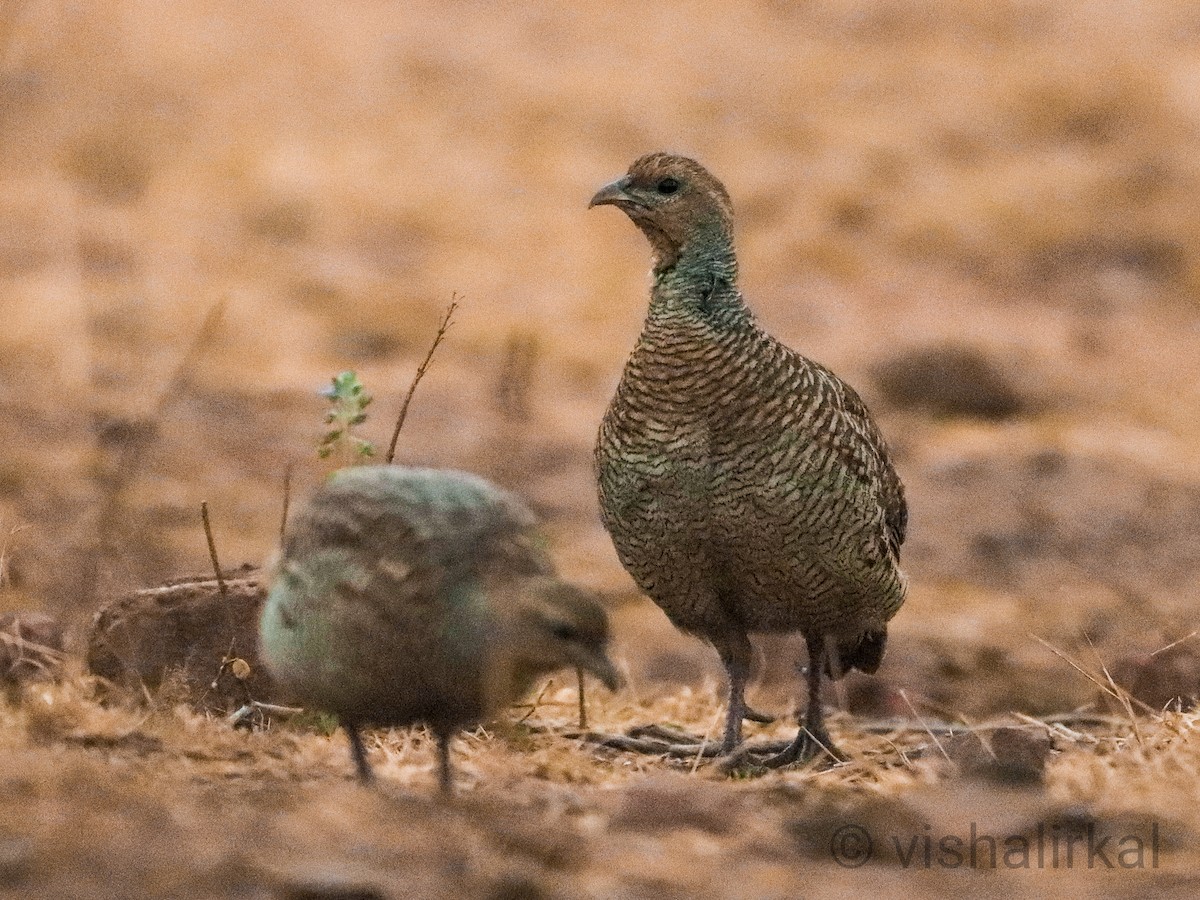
<point x="408" y="595"/>
<point x="746" y="487"/>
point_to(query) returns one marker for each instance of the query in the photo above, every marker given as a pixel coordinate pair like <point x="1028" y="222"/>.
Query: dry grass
<point x="270" y="810"/>
<point x="1017" y="176"/>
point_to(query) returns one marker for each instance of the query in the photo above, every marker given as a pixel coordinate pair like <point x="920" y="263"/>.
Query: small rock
<point x="1006" y="755"/>
<point x="873" y="697"/>
<point x="949" y="380"/>
<point x="186" y="629"/>
<point x="666" y="803"/>
<point x="1169" y="678"/>
<point x="329" y="887"/>
<point x="516" y="887"/>
<point x="16" y="861"/>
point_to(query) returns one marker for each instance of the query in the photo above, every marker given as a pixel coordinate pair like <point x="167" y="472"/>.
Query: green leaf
<point x="348" y="399"/>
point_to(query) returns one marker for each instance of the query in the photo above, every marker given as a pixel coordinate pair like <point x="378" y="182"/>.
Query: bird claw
<point x="757" y="759"/>
<point x="659" y="732"/>
<point x="803" y="749"/>
<point x="741" y="762"/>
<point x="658" y="740"/>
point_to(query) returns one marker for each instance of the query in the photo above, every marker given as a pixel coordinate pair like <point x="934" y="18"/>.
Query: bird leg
<point x="358" y="752"/>
<point x="662" y="740"/>
<point x="813" y="738"/>
<point x="735" y="654"/>
<point x="583" y="723"/>
<point x="445" y="777"/>
<point x="736" y="657"/>
<point x="735" y="711"/>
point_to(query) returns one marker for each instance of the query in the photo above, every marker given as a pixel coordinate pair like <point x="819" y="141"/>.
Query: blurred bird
<point x="409" y="595"/>
<point x="746" y="487"/>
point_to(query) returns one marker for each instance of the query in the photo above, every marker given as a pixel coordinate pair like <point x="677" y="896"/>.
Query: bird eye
<point x="668" y="186"/>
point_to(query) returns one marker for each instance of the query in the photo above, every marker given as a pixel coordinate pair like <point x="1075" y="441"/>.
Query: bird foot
<point x="757" y="759"/>
<point x="668" y="733"/>
<point x="752" y="715"/>
<point x="659" y="740"/>
<point x="746" y="760"/>
<point x="805" y="747"/>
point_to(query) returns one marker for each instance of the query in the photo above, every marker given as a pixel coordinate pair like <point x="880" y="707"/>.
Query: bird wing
<point x="829" y="488"/>
<point x="872" y="450"/>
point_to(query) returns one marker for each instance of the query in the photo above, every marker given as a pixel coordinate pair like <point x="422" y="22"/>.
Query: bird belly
<point x="654" y="484"/>
<point x="330" y="647"/>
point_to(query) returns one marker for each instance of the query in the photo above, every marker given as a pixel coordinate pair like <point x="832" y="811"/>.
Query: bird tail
<point x="863" y="652"/>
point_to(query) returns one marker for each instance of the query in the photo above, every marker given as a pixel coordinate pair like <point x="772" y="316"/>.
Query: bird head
<point x="552" y="625"/>
<point x="676" y="203"/>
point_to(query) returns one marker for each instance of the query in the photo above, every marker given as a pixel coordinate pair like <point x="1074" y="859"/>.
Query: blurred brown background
<point x="982" y="214"/>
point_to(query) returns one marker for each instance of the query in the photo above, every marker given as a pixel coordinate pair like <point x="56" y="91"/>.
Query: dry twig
<point x="1107" y="685"/>
<point x="287" y="499"/>
<point x="928" y="730"/>
<point x="1186" y="637"/>
<point x="212" y="548"/>
<point x="133" y="452"/>
<point x="437" y="339"/>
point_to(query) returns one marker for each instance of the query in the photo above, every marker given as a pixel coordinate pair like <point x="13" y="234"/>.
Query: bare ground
<point x="1016" y="180"/>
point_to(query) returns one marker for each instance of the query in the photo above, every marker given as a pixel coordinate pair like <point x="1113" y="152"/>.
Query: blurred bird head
<point x="676" y="203"/>
<point x="551" y="625"/>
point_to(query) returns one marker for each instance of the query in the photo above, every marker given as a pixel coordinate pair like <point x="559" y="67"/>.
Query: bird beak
<point x="598" y="663"/>
<point x="613" y="194"/>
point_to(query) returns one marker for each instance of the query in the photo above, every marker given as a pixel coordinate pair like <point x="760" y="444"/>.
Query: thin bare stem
<point x="183" y="372"/>
<point x="437" y="339"/>
<point x="263" y="709"/>
<point x="4" y="551"/>
<point x="212" y="547"/>
<point x="537" y="701"/>
<point x="133" y="452"/>
<point x="1186" y="637"/>
<point x="928" y="730"/>
<point x="1077" y="667"/>
<point x="287" y="499"/>
<point x="712" y="726"/>
<point x="1107" y="685"/>
<point x="583" y="723"/>
<point x="1123" y="695"/>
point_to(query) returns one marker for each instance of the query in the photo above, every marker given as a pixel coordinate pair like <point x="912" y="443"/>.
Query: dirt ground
<point x="982" y="214"/>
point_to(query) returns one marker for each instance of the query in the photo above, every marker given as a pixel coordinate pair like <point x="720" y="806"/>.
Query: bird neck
<point x="701" y="279"/>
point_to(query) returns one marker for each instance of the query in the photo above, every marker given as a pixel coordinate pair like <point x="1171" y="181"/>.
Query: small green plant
<point x="320" y="722"/>
<point x="348" y="407"/>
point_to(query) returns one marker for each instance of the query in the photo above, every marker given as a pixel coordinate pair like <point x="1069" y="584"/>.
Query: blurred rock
<point x="535" y="841"/>
<point x="31" y="647"/>
<point x="114" y="168"/>
<point x="185" y="629"/>
<point x="1012" y="756"/>
<point x="16" y="861"/>
<point x="670" y="802"/>
<point x="873" y="696"/>
<point x="949" y="381"/>
<point x="1070" y="519"/>
<point x="366" y="344"/>
<point x="329" y="887"/>
<point x="1169" y="678"/>
<point x="852" y="830"/>
<point x="515" y="886"/>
